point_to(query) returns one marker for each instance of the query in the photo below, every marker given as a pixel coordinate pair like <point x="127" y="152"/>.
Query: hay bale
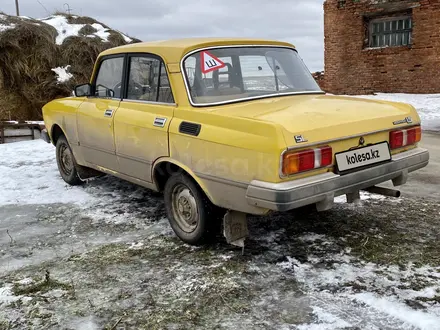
<point x="86" y="30"/>
<point x="30" y="49"/>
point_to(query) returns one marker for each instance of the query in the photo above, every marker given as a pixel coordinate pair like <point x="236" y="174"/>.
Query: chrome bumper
<point x="323" y="188"/>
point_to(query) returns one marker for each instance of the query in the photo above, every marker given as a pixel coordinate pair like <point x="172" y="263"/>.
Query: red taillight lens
<point x="326" y="156"/>
<point x="305" y="160"/>
<point x="396" y="139"/>
<point x="405" y="137"/>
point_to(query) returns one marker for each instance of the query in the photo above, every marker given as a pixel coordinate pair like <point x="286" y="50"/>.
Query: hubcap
<point x="66" y="161"/>
<point x="185" y="208"/>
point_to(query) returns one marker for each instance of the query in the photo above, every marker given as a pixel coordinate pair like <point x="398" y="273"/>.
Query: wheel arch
<point x="55" y="132"/>
<point x="165" y="167"/>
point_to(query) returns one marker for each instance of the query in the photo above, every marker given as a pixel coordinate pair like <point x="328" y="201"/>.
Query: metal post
<point x="68" y="9"/>
<point x="2" y="134"/>
<point x="17" y="8"/>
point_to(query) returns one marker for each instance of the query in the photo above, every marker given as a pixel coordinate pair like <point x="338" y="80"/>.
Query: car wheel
<point x="193" y="217"/>
<point x="66" y="162"/>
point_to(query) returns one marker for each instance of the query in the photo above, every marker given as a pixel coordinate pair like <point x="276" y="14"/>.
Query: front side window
<point x="148" y="80"/>
<point x="109" y="79"/>
<point x="391" y="32"/>
<point x="230" y="74"/>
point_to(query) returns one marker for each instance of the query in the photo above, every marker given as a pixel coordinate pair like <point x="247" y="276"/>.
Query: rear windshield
<point x="225" y="75"/>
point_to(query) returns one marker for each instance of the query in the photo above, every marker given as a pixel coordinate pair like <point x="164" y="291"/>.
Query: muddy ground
<point x="111" y="261"/>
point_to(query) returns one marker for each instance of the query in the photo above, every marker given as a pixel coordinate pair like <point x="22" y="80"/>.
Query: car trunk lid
<point x="318" y="118"/>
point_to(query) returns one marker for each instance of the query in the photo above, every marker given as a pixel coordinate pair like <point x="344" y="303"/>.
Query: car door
<point x="142" y="120"/>
<point x="95" y="116"/>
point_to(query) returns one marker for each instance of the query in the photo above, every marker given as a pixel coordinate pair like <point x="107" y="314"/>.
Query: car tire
<point x="193" y="218"/>
<point x="66" y="162"/>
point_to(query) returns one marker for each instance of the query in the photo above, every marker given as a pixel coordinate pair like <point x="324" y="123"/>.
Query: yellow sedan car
<point x="225" y="128"/>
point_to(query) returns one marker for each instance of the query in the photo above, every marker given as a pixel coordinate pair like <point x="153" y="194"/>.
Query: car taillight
<point x="305" y="160"/>
<point x="405" y="137"/>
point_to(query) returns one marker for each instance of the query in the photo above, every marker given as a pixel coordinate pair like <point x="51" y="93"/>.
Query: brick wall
<point x="353" y="68"/>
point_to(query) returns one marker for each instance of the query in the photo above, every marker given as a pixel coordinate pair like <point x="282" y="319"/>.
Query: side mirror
<point x="83" y="90"/>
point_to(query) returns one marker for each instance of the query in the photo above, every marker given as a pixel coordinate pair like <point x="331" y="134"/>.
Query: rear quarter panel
<point x="236" y="149"/>
<point x="227" y="154"/>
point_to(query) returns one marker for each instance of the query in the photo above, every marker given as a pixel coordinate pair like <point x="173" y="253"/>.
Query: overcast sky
<point x="297" y="21"/>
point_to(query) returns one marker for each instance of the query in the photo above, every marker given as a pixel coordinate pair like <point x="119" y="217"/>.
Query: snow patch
<point x="43" y="184"/>
<point x="64" y="29"/>
<point x="25" y="281"/>
<point x="398" y="310"/>
<point x="394" y="285"/>
<point x="3" y="28"/>
<point x="367" y="196"/>
<point x="101" y="32"/>
<point x="62" y="74"/>
<point x="326" y="321"/>
<point x="427" y="105"/>
<point x="6" y="295"/>
<point x="126" y="39"/>
<point x="36" y="122"/>
<point x="135" y="246"/>
<point x="84" y="323"/>
<point x="364" y="197"/>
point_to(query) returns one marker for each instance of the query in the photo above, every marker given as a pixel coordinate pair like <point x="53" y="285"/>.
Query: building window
<point x="391" y="32"/>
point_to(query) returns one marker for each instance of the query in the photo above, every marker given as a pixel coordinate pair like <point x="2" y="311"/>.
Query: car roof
<point x="172" y="51"/>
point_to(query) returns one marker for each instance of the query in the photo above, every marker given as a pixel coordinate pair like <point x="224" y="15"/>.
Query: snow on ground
<point x="111" y="254"/>
<point x="6" y="295"/>
<point x="427" y="105"/>
<point x="29" y="175"/>
<point x="62" y="74"/>
<point x="396" y="285"/>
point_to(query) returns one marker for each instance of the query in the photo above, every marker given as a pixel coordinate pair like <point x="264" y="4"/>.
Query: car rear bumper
<point x="324" y="188"/>
<point x="45" y="135"/>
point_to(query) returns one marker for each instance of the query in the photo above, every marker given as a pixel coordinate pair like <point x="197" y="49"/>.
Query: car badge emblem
<point x="407" y="120"/>
<point x="361" y="141"/>
<point x="300" y="139"/>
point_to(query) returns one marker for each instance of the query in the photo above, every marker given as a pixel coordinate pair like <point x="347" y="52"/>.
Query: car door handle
<point x="108" y="113"/>
<point x="159" y="122"/>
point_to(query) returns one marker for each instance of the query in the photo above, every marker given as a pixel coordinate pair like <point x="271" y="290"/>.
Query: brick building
<point x="382" y="46"/>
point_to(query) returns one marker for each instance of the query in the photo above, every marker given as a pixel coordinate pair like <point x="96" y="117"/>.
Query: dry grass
<point x="28" y="52"/>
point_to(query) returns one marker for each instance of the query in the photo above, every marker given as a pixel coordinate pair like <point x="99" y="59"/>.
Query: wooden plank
<point x="4" y="126"/>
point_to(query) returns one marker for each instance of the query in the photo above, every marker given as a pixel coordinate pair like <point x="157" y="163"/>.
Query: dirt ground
<point x="111" y="261"/>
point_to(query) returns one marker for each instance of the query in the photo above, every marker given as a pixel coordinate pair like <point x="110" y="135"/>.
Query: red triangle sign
<point x="211" y="62"/>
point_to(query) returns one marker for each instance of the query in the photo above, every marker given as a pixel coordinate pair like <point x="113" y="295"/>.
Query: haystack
<point x="44" y="59"/>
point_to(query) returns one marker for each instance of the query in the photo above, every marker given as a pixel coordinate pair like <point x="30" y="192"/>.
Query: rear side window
<point x="148" y="80"/>
<point x="165" y="94"/>
<point x="109" y="79"/>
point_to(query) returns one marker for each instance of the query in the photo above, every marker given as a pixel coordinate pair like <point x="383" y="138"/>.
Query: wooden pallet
<point x="4" y="125"/>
